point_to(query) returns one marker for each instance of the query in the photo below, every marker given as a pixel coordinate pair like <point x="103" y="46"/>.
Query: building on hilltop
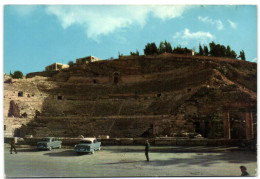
<point x="87" y="59"/>
<point x="192" y="52"/>
<point x="56" y="67"/>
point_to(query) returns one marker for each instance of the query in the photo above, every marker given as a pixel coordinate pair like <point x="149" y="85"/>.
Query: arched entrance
<point x="115" y="77"/>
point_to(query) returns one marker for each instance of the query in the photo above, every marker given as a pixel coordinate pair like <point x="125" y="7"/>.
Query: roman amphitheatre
<point x="152" y="96"/>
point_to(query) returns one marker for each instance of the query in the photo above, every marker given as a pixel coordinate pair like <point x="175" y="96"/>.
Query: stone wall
<point x="243" y="143"/>
<point x="43" y="74"/>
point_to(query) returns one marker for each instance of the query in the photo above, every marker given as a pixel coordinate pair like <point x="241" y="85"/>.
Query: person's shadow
<point x="27" y="150"/>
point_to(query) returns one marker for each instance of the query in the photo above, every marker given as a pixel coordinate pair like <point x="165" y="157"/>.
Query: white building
<point x="87" y="59"/>
<point x="56" y="67"/>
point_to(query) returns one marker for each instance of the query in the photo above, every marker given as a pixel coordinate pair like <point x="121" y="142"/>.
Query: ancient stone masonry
<point x="146" y="96"/>
<point x="14" y="110"/>
<point x="22" y="99"/>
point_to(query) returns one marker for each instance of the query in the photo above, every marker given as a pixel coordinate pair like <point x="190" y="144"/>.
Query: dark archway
<point x="115" y="77"/>
<point x="17" y="132"/>
<point x="20" y="94"/>
<point x="237" y="126"/>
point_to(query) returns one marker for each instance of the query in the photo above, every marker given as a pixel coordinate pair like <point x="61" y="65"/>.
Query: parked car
<point x="87" y="145"/>
<point x="49" y="143"/>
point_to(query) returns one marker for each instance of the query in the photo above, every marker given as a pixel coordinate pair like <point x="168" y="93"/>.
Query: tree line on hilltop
<point x="217" y="50"/>
<point x="214" y="50"/>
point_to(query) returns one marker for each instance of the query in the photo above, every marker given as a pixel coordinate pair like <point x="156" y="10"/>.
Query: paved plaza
<point x="129" y="161"/>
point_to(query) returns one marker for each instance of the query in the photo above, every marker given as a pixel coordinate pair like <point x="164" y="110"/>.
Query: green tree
<point x="180" y="50"/>
<point x="17" y="75"/>
<point x="177" y="49"/>
<point x="168" y="47"/>
<point x="136" y="53"/>
<point x="206" y="51"/>
<point x="218" y="50"/>
<point x="161" y="48"/>
<point x="222" y="50"/>
<point x="212" y="47"/>
<point x="164" y="47"/>
<point x="228" y="52"/>
<point x="242" y="55"/>
<point x="233" y="54"/>
<point x="150" y="49"/>
<point x="201" y="51"/>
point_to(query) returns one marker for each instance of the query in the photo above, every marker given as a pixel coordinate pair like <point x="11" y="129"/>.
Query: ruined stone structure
<point x="145" y="96"/>
<point x="22" y="103"/>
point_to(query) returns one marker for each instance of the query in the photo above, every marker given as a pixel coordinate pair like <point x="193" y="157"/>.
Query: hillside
<point x="144" y="96"/>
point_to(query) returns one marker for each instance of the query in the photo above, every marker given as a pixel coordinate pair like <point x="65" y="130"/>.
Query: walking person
<point x="243" y="170"/>
<point x="12" y="143"/>
<point x="147" y="148"/>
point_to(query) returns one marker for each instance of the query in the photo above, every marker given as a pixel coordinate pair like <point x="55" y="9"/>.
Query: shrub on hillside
<point x="17" y="75"/>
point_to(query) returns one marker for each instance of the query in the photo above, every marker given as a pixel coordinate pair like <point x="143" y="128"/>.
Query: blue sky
<point x="38" y="35"/>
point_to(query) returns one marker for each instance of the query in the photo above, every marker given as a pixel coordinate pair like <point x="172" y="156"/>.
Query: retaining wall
<point x="141" y="141"/>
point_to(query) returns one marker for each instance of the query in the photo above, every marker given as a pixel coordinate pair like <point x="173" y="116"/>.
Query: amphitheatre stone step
<point x="84" y="99"/>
